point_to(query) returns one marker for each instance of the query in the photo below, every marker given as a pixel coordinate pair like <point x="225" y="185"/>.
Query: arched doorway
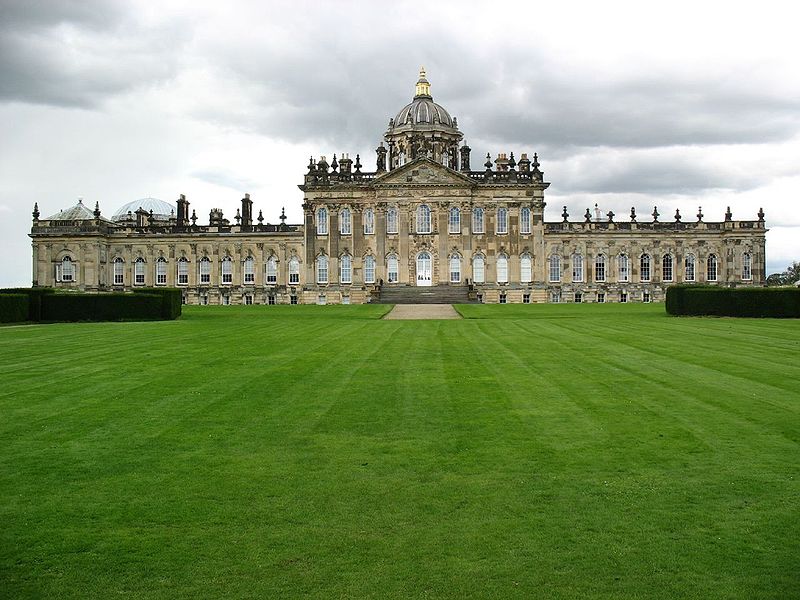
<point x="424" y="269"/>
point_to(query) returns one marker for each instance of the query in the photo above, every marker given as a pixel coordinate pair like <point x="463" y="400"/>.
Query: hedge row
<point x="43" y="304"/>
<point x="779" y="302"/>
<point x="13" y="308"/>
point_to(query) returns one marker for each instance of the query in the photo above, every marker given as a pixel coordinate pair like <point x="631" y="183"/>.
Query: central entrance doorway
<point x="424" y="269"/>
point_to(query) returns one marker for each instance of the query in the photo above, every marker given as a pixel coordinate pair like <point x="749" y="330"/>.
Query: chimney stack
<point x="247" y="211"/>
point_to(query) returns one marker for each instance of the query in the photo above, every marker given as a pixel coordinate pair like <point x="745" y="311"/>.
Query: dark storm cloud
<point x="77" y="54"/>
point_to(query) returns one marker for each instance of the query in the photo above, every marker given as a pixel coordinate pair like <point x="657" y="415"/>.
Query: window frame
<point x="369" y="221"/>
<point x="271" y="270"/>
<point x="67" y="275"/>
<point x="182" y="278"/>
<point x="525" y="266"/>
<point x="690" y="266"/>
<point x="501" y="267"/>
<point x="667" y="268"/>
<point x="747" y="266"/>
<point x="139" y="267"/>
<point x="345" y="222"/>
<point x="392" y="258"/>
<point x="226" y="271"/>
<point x="249" y="271"/>
<point x="478" y="220"/>
<point x="576" y="261"/>
<point x="525" y="220"/>
<point x="712" y="266"/>
<point x="479" y="259"/>
<point x="321" y="269"/>
<point x="455" y="275"/>
<point x="204" y="264"/>
<point x="369" y="269"/>
<point x="623" y="268"/>
<point x="554" y="268"/>
<point x="454" y="220"/>
<point x="322" y="221"/>
<point x="345" y="269"/>
<point x="645" y="268"/>
<point x="294" y="270"/>
<point x="161" y="271"/>
<point x="118" y="271"/>
<point x="424" y="218"/>
<point x="392" y="220"/>
<point x="501" y="222"/>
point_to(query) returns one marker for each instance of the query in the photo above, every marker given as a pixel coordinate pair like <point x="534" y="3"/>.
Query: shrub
<point x="13" y="307"/>
<point x="732" y="302"/>
<point x="171" y="299"/>
<point x="101" y="307"/>
<point x="34" y="296"/>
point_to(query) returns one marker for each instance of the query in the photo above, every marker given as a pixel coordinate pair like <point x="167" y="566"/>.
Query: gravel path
<point x="423" y="311"/>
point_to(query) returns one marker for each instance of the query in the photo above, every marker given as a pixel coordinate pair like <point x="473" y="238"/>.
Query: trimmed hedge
<point x="171" y="300"/>
<point x="34" y="296"/>
<point x="13" y="308"/>
<point x="101" y="307"/>
<point x="778" y="302"/>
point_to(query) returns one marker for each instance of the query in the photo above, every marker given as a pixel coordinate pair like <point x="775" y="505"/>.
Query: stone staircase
<point x="406" y="294"/>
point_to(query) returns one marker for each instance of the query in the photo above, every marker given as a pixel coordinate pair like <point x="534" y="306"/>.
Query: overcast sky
<point x="678" y="105"/>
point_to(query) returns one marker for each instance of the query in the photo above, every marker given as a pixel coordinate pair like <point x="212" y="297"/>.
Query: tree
<point x="789" y="277"/>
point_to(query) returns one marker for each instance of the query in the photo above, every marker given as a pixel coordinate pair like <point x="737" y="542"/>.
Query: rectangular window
<point x="227" y="271"/>
<point x="119" y="272"/>
<point x="577" y="267"/>
<point x="555" y="268"/>
<point x="478" y="273"/>
<point x="249" y="270"/>
<point x="205" y="271"/>
<point x="502" y="269"/>
<point x="294" y="271"/>
<point x="525" y="220"/>
<point x="204" y="299"/>
<point x="369" y="221"/>
<point x="161" y="272"/>
<point x="271" y="300"/>
<point x="138" y="272"/>
<point x="391" y="220"/>
<point x="272" y="271"/>
<point x="578" y="297"/>
<point x="645" y="296"/>
<point x="321" y="299"/>
<point x="526" y="298"/>
<point x="623" y="297"/>
<point x="226" y="300"/>
<point x="292" y="299"/>
<point x="248" y="299"/>
<point x="747" y="266"/>
<point x="601" y="297"/>
<point x="455" y="269"/>
<point x="600" y="268"/>
<point x="555" y="296"/>
<point x="345" y="299"/>
<point x="345" y="269"/>
<point x="502" y="220"/>
<point x="477" y="220"/>
<point x="623" y="268"/>
<point x="525" y="269"/>
<point x="392" y="269"/>
<point x="503" y="298"/>
<point x="369" y="269"/>
<point x="454" y="222"/>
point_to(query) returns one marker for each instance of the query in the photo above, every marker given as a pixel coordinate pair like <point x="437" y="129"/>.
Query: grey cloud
<point x="225" y="179"/>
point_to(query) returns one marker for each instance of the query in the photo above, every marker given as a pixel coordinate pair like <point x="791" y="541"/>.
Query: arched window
<point x="322" y="269"/>
<point x="272" y="270"/>
<point x="345" y="269"/>
<point x="119" y="271"/>
<point x="392" y="269"/>
<point x="345" y="222"/>
<point x="161" y="271"/>
<point x="478" y="269"/>
<point x="689" y="268"/>
<point x="455" y="268"/>
<point x="369" y="269"/>
<point x="525" y="270"/>
<point x="577" y="267"/>
<point x="502" y="269"/>
<point x="666" y="267"/>
<point x="322" y="221"/>
<point x="67" y="269"/>
<point x="227" y="270"/>
<point x="502" y="220"/>
<point x="525" y="220"/>
<point x="712" y="267"/>
<point x="454" y="220"/>
<point x="205" y="270"/>
<point x="249" y="270"/>
<point x="554" y="263"/>
<point x="369" y="221"/>
<point x="391" y="220"/>
<point x="600" y="267"/>
<point x="294" y="270"/>
<point x="183" y="271"/>
<point x="644" y="264"/>
<point x="138" y="271"/>
<point x="423" y="218"/>
<point x="477" y="220"/>
<point x="747" y="266"/>
<point x="623" y="268"/>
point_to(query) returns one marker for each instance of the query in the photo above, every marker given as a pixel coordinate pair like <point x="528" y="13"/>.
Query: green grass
<point x="301" y="451"/>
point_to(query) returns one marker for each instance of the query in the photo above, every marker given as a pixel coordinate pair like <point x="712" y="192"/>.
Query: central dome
<point x="422" y="110"/>
<point x="161" y="210"/>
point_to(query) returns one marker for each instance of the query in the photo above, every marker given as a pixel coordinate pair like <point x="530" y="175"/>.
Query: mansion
<point x="425" y="218"/>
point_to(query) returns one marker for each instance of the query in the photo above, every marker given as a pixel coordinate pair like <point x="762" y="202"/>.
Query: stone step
<point x="425" y="295"/>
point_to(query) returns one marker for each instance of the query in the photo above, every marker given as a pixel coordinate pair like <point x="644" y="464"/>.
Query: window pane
<point x="369" y="221"/>
<point x="455" y="220"/>
<point x="555" y="268"/>
<point x="502" y="220"/>
<point x="525" y="268"/>
<point x="392" y="269"/>
<point x="294" y="270"/>
<point x="502" y="269"/>
<point x="645" y="267"/>
<point x="666" y="267"/>
<point x="747" y="266"/>
<point x="600" y="268"/>
<point x="478" y="272"/>
<point x="345" y="222"/>
<point x="322" y="221"/>
<point x="272" y="270"/>
<point x="689" y="275"/>
<point x="624" y="270"/>
<point x="525" y="220"/>
<point x="369" y="269"/>
<point x="391" y="220"/>
<point x="322" y="269"/>
<point x="577" y="267"/>
<point x="455" y="269"/>
<point x="423" y="219"/>
<point x="477" y="220"/>
<point x="345" y="269"/>
<point x="227" y="270"/>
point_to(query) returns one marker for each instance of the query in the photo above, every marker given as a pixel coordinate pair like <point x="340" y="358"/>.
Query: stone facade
<point x="423" y="218"/>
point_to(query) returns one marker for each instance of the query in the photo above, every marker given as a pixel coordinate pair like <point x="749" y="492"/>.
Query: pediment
<point x="423" y="171"/>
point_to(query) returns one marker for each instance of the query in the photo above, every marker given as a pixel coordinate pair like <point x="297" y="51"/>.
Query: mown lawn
<point x="591" y="451"/>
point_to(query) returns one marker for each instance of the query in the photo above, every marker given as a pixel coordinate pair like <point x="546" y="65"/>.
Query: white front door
<point x="424" y="269"/>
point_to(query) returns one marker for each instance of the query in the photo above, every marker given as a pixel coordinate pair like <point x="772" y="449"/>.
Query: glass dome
<point x="161" y="210"/>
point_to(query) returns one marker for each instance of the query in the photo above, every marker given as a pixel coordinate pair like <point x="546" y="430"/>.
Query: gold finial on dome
<point x="423" y="87"/>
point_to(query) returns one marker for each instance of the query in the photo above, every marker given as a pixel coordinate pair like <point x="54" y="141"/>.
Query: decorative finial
<point x="633" y="214"/>
<point x="283" y="216"/>
<point x="423" y="87"/>
<point x="610" y="215"/>
<point x="488" y="163"/>
<point x="535" y="160"/>
<point x="358" y="164"/>
<point x="588" y="216"/>
<point x="334" y="164"/>
<point x="35" y="211"/>
<point x="194" y="217"/>
<point x="677" y="215"/>
<point x="238" y="217"/>
<point x="260" y="217"/>
<point x="96" y="210"/>
<point x="699" y="213"/>
<point x="655" y="214"/>
<point x="728" y="214"/>
<point x="311" y="165"/>
<point x="565" y="214"/>
<point x="761" y="215"/>
<point x="511" y="162"/>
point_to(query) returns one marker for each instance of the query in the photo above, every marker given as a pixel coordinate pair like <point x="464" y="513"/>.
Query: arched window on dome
<point x="525" y="268"/>
<point x="227" y="271"/>
<point x="161" y="271"/>
<point x="205" y="270"/>
<point x="272" y="270"/>
<point x="138" y="271"/>
<point x="391" y="220"/>
<point x="183" y="271"/>
<point x="249" y="269"/>
<point x="119" y="271"/>
<point x="423" y="218"/>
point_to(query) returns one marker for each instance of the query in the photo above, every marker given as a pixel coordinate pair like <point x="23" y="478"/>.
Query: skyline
<point x="114" y="101"/>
